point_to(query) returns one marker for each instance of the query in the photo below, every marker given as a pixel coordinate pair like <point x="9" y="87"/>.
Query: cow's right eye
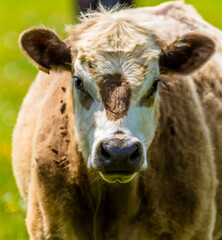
<point x="78" y="83"/>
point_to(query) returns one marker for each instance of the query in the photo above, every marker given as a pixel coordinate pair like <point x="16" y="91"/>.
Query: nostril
<point x="120" y="156"/>
<point x="104" y="154"/>
<point x="135" y="155"/>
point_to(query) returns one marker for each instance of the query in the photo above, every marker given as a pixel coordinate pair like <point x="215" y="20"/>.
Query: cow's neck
<point x="107" y="210"/>
<point x="115" y="207"/>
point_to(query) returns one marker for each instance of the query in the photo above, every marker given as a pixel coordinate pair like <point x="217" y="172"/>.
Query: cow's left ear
<point x="186" y="54"/>
<point x="44" y="48"/>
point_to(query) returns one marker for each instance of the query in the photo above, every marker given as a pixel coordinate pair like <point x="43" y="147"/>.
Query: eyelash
<point x="78" y="83"/>
<point x="154" y="87"/>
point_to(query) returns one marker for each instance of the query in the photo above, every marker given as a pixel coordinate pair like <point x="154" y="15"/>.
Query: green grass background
<point x="16" y="75"/>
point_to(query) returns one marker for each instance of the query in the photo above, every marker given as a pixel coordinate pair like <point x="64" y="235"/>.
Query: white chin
<point x="112" y="178"/>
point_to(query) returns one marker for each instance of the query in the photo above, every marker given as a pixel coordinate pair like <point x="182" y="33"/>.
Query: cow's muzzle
<point x="119" y="159"/>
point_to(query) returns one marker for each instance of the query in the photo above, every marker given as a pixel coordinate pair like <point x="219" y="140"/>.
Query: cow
<point x="120" y="135"/>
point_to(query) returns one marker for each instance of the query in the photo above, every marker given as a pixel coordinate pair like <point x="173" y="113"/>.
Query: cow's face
<point x="116" y="111"/>
<point x="116" y="70"/>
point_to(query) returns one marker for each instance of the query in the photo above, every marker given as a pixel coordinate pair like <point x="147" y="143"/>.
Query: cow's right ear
<point x="44" y="48"/>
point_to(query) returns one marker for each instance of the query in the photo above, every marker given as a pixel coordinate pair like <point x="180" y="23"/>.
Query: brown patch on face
<point x="115" y="93"/>
<point x="85" y="100"/>
<point x="147" y="101"/>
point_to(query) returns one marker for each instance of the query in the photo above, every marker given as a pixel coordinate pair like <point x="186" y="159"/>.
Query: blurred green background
<point x="16" y="75"/>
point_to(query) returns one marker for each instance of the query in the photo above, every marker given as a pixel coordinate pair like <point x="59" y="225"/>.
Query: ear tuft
<point x="45" y="49"/>
<point x="186" y="54"/>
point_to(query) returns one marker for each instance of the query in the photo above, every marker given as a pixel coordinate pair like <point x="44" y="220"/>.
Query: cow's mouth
<point x="121" y="177"/>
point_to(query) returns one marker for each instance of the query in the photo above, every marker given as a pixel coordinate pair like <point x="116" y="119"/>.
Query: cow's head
<point x="116" y="66"/>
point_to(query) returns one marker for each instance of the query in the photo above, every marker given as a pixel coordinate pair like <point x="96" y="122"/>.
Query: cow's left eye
<point x="148" y="98"/>
<point x="154" y="88"/>
<point x="78" y="83"/>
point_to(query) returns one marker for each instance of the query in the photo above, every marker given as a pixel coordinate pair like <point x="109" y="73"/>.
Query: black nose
<point x="119" y="156"/>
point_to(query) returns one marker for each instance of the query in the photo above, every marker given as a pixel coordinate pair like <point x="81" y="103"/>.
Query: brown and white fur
<point x="117" y="56"/>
